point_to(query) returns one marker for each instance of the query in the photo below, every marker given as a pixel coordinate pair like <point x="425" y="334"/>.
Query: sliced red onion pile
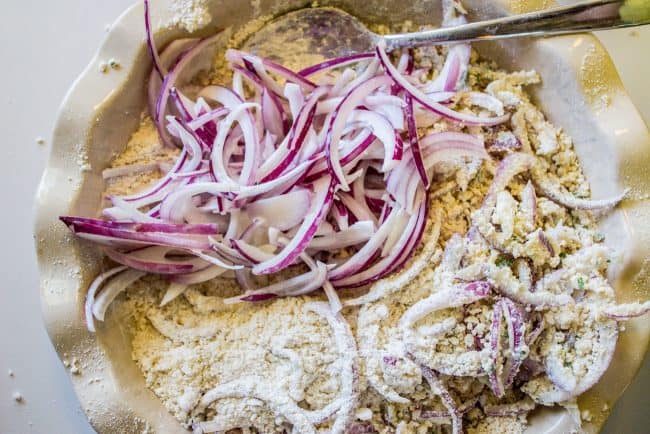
<point x="327" y="168"/>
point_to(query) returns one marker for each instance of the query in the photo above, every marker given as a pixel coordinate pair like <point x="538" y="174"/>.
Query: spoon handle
<point x="576" y="18"/>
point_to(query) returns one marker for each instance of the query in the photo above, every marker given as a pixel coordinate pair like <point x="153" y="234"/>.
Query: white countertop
<point x="45" y="44"/>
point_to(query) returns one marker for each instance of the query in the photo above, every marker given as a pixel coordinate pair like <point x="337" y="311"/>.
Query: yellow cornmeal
<point x="196" y="343"/>
<point x="143" y="147"/>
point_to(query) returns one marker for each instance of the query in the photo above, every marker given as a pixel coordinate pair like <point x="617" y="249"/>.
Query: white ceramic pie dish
<point x="581" y="93"/>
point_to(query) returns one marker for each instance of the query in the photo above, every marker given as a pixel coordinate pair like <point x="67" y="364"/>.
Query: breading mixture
<point x="383" y="245"/>
<point x="487" y="319"/>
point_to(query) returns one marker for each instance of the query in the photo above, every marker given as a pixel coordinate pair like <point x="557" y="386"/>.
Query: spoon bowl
<point x="298" y="37"/>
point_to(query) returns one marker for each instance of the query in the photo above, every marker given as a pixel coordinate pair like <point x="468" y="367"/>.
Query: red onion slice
<point x="357" y="207"/>
<point x="282" y="212"/>
<point x="153" y="51"/>
<point x="241" y="114"/>
<point x="553" y="190"/>
<point x="209" y="116"/>
<point x="256" y="387"/>
<point x="299" y="79"/>
<point x="335" y="63"/>
<point x="112" y="289"/>
<point x="388" y="264"/>
<point x="621" y="312"/>
<point x="294" y="96"/>
<point x="279" y="185"/>
<point x="357" y="233"/>
<point x="179" y="203"/>
<point x="127" y="211"/>
<point x="496" y="381"/>
<point x="384" y="131"/>
<point x="117" y="237"/>
<point x="392" y="284"/>
<point x="437" y="147"/>
<point x="543" y="389"/>
<point x="414" y="142"/>
<point x="298" y="285"/>
<point x="197" y="229"/>
<point x="340" y="215"/>
<point x="438" y="388"/>
<point x="168" y="58"/>
<point x="273" y="116"/>
<point x="92" y="291"/>
<point x="252" y="148"/>
<point x="153" y="260"/>
<point x="339" y="118"/>
<point x="529" y="205"/>
<point x="346" y="344"/>
<point x="427" y="101"/>
<point x="396" y="234"/>
<point x="321" y="202"/>
<point x="133" y="169"/>
<point x="201" y="276"/>
<point x="252" y="253"/>
<point x="367" y="252"/>
<point x="510" y="166"/>
<point x="172" y="292"/>
<point x="456" y="62"/>
<point x="456" y="296"/>
<point x="350" y="151"/>
<point x="163" y="185"/>
<point x="172" y="77"/>
<point x="369" y="72"/>
<point x="215" y="260"/>
<point x="517" y="346"/>
<point x="295" y="139"/>
<point x="183" y="105"/>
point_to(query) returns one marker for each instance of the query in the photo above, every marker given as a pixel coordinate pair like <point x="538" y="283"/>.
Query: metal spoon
<point x="329" y="32"/>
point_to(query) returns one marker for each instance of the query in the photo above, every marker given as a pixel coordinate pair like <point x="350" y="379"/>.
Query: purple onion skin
<point x="258" y="297"/>
<point x="546" y="243"/>
<point x="390" y="360"/>
<point x="497" y="144"/>
<point x="362" y="428"/>
<point x="528" y="370"/>
<point x="479" y="287"/>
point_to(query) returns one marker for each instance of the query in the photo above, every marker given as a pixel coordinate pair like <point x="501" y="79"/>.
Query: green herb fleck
<point x="568" y="364"/>
<point x="562" y="255"/>
<point x="503" y="261"/>
<point x="581" y="282"/>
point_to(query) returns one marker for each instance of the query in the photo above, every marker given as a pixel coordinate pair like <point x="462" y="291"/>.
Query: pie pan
<point x="581" y="92"/>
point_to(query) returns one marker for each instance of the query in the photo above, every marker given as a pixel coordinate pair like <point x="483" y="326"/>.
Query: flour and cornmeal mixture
<point x="505" y="305"/>
<point x="287" y="354"/>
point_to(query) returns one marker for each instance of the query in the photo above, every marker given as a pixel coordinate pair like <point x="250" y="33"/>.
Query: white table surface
<point x="43" y="46"/>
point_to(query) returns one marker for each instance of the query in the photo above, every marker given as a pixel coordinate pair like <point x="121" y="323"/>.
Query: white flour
<point x="191" y="15"/>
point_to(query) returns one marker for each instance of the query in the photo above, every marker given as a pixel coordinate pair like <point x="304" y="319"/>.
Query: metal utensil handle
<point x="576" y="18"/>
